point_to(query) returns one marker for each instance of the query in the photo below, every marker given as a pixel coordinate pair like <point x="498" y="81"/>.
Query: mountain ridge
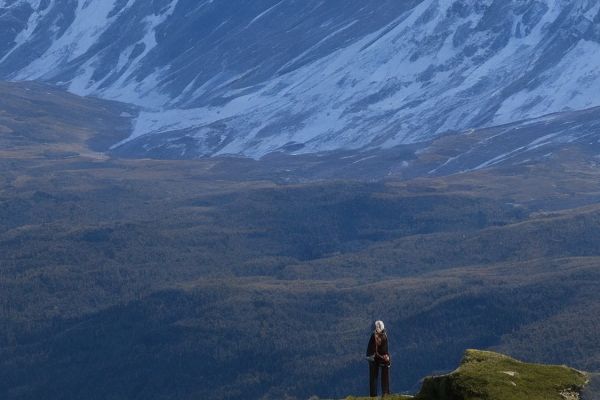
<point x="44" y="119"/>
<point x="301" y="77"/>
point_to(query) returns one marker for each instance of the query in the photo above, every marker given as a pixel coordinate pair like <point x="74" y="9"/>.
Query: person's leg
<point x="373" y="373"/>
<point x="385" y="380"/>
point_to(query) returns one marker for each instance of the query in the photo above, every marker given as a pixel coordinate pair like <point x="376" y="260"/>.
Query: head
<point x="379" y="326"/>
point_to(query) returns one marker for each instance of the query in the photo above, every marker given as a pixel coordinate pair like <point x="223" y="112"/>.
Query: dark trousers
<point x="374" y="374"/>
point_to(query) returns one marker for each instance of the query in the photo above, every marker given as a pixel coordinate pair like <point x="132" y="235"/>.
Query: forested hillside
<point x="234" y="279"/>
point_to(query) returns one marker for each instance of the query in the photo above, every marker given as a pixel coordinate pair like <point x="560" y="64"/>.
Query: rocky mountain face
<point x="253" y="77"/>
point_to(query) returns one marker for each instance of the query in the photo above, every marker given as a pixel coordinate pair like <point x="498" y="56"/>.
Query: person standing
<point x="379" y="359"/>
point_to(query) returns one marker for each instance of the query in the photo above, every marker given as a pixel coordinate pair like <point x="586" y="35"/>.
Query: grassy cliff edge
<point x="492" y="376"/>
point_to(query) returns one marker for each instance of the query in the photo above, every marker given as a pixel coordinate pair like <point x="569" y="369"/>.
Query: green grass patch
<point x="484" y="375"/>
<point x="492" y="376"/>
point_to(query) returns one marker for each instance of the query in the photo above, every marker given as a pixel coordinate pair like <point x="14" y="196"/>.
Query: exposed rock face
<point x="251" y="77"/>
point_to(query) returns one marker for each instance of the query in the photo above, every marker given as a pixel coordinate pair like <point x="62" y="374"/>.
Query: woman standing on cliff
<point x="379" y="358"/>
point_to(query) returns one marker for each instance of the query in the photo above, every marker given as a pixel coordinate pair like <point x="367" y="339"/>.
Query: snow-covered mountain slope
<point x="251" y="77"/>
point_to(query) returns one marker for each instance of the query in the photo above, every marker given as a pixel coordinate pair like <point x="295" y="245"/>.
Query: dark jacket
<point x="378" y="346"/>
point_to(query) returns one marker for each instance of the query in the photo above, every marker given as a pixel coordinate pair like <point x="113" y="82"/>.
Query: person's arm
<point x="371" y="349"/>
<point x="385" y="357"/>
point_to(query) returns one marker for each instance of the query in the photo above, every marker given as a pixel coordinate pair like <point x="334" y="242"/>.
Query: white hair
<point x="379" y="326"/>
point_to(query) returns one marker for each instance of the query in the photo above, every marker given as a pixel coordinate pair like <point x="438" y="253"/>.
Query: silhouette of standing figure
<point x="379" y="359"/>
